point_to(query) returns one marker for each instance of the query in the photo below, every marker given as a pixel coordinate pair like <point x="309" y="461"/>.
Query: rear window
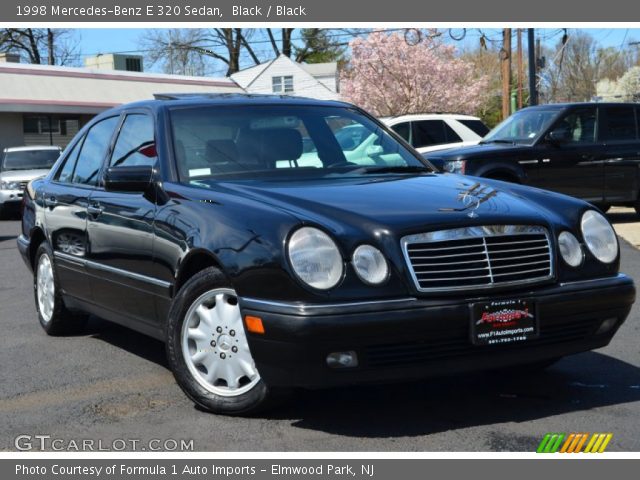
<point x="29" y="159"/>
<point x="432" y="132"/>
<point x="619" y="124"/>
<point x="476" y="126"/>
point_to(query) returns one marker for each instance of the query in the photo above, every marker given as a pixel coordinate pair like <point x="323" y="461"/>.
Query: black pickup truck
<point x="586" y="150"/>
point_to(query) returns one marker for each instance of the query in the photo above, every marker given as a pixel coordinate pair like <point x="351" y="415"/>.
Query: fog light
<point x="342" y="359"/>
<point x="607" y="325"/>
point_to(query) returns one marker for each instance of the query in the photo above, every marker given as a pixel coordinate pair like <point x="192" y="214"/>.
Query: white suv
<point x="428" y="132"/>
<point x="20" y="165"/>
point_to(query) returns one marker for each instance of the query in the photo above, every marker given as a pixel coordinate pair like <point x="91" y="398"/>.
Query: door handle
<point x="50" y="202"/>
<point x="94" y="210"/>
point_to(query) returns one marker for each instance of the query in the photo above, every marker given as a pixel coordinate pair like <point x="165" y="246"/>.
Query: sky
<point x="104" y="40"/>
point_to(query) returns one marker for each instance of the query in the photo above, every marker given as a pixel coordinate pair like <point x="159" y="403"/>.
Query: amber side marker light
<point x="254" y="324"/>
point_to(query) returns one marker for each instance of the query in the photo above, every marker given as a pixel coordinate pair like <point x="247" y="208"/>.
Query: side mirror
<point x="558" y="136"/>
<point x="135" y="179"/>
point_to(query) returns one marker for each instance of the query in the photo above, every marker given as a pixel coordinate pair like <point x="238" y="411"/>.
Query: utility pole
<point x="171" y="52"/>
<point x="636" y="44"/>
<point x="533" y="72"/>
<point x="50" y="48"/>
<point x="505" y="60"/>
<point x="520" y="67"/>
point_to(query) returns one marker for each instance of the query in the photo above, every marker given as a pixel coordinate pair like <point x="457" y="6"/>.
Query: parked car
<point x="430" y="132"/>
<point x="18" y="166"/>
<point x="189" y="220"/>
<point x="587" y="150"/>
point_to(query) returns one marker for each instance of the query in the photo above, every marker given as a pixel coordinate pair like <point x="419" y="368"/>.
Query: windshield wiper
<point x="509" y="142"/>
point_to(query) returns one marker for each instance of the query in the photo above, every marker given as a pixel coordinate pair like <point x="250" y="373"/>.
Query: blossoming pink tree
<point x="388" y="76"/>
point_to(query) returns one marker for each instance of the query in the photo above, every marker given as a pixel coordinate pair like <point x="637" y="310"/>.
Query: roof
<point x="582" y="104"/>
<point x="53" y="89"/>
<point x="246" y="77"/>
<point x="320" y="69"/>
<point x="427" y="116"/>
<point x="198" y="99"/>
<point x="31" y="148"/>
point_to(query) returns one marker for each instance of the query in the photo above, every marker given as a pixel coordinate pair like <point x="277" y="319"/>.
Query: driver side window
<point x="579" y="127"/>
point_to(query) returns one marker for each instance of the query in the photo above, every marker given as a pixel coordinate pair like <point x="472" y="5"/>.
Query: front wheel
<point x="207" y="348"/>
<point x="53" y="315"/>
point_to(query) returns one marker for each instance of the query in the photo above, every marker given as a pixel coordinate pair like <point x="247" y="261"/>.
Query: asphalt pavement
<point x="111" y="384"/>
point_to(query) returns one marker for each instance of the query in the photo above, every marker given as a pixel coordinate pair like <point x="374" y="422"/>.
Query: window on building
<point x="282" y="84"/>
<point x="44" y="124"/>
<point x="133" y="64"/>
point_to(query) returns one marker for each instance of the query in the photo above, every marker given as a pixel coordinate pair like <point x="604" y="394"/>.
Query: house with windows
<point x="283" y="75"/>
<point x="47" y="105"/>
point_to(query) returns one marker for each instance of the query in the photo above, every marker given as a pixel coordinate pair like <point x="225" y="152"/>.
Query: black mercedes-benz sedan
<point x="242" y="232"/>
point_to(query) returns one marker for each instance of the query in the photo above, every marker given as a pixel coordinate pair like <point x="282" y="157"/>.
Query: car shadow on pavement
<point x="7" y="238"/>
<point x="121" y="337"/>
<point x="577" y="383"/>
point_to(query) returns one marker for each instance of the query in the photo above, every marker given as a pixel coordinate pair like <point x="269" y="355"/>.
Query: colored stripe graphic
<point x="550" y="443"/>
<point x="574" y="442"/>
<point x="583" y="439"/>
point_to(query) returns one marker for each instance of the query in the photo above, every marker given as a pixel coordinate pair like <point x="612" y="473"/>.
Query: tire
<point x="207" y="348"/>
<point x="54" y="317"/>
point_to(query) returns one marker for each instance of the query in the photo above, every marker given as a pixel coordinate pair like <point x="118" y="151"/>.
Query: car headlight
<point x="315" y="258"/>
<point x="599" y="236"/>
<point x="455" y="166"/>
<point x="570" y="249"/>
<point x="9" y="185"/>
<point x="370" y="265"/>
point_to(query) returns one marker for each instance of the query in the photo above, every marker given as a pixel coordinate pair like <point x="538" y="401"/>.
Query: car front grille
<point x="479" y="257"/>
<point x="23" y="185"/>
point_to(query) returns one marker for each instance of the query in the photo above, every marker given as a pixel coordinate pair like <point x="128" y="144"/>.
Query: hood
<point x="480" y="151"/>
<point x="22" y="175"/>
<point x="446" y="146"/>
<point x="396" y="204"/>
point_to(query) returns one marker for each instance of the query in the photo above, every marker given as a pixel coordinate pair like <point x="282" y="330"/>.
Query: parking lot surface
<point x="111" y="383"/>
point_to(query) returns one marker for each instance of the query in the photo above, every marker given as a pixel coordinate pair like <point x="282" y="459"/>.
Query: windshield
<point x="522" y="127"/>
<point x="256" y="142"/>
<point x="29" y="159"/>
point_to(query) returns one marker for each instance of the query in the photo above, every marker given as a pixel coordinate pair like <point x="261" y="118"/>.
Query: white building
<point x="46" y="105"/>
<point x="284" y="76"/>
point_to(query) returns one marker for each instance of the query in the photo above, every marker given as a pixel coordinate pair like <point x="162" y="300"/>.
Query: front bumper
<point x="23" y="247"/>
<point x="415" y="338"/>
<point x="10" y="198"/>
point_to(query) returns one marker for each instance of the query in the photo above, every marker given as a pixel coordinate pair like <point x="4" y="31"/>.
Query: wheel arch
<point x="504" y="174"/>
<point x="35" y="240"/>
<point x="195" y="261"/>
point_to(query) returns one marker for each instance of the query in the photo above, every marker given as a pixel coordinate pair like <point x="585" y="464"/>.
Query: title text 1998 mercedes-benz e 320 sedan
<point x="192" y="220"/>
